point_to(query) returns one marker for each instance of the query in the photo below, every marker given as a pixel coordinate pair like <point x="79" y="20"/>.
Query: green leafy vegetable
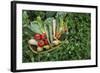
<point x="48" y="24"/>
<point x="35" y="27"/>
<point x="60" y="21"/>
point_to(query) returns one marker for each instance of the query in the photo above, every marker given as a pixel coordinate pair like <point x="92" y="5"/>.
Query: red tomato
<point x="46" y="42"/>
<point x="41" y="43"/>
<point x="37" y="36"/>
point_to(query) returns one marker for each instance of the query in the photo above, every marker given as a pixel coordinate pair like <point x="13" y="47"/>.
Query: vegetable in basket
<point x="47" y="33"/>
<point x="49" y="29"/>
<point x="60" y="23"/>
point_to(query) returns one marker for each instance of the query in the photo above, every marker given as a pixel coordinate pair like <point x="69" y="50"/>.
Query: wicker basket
<point x="48" y="50"/>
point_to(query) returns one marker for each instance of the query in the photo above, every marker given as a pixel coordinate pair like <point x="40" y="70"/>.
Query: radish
<point x="41" y="43"/>
<point x="37" y="36"/>
<point x="39" y="49"/>
<point x="56" y="42"/>
<point x="46" y="46"/>
<point x="46" y="41"/>
<point x="32" y="42"/>
<point x="43" y="35"/>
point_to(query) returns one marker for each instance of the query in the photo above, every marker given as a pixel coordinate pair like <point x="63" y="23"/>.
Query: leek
<point x="49" y="29"/>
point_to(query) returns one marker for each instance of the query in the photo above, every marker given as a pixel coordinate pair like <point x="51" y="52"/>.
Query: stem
<point x="47" y="35"/>
<point x="54" y="28"/>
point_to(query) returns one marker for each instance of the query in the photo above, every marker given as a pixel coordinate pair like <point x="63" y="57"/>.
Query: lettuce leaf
<point x="35" y="27"/>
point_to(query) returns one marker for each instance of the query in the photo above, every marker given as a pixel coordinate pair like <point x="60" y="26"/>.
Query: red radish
<point x="43" y="35"/>
<point x="37" y="36"/>
<point x="46" y="41"/>
<point x="41" y="43"/>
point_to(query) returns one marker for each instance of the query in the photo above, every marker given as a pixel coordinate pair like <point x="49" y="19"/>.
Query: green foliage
<point x="77" y="45"/>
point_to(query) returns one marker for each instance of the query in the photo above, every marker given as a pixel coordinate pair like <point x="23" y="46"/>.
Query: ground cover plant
<point x="77" y="39"/>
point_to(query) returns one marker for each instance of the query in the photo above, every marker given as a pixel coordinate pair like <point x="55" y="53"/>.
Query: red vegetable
<point x="46" y="42"/>
<point x="41" y="43"/>
<point x="37" y="36"/>
<point x="43" y="36"/>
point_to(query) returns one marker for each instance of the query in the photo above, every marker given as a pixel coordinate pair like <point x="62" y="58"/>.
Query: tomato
<point x="46" y="42"/>
<point x="41" y="43"/>
<point x="37" y="36"/>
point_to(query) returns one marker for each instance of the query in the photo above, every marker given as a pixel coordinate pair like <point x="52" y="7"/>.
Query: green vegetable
<point x="60" y="21"/>
<point x="35" y="27"/>
<point x="48" y="24"/>
<point x="40" y="22"/>
<point x="54" y="29"/>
